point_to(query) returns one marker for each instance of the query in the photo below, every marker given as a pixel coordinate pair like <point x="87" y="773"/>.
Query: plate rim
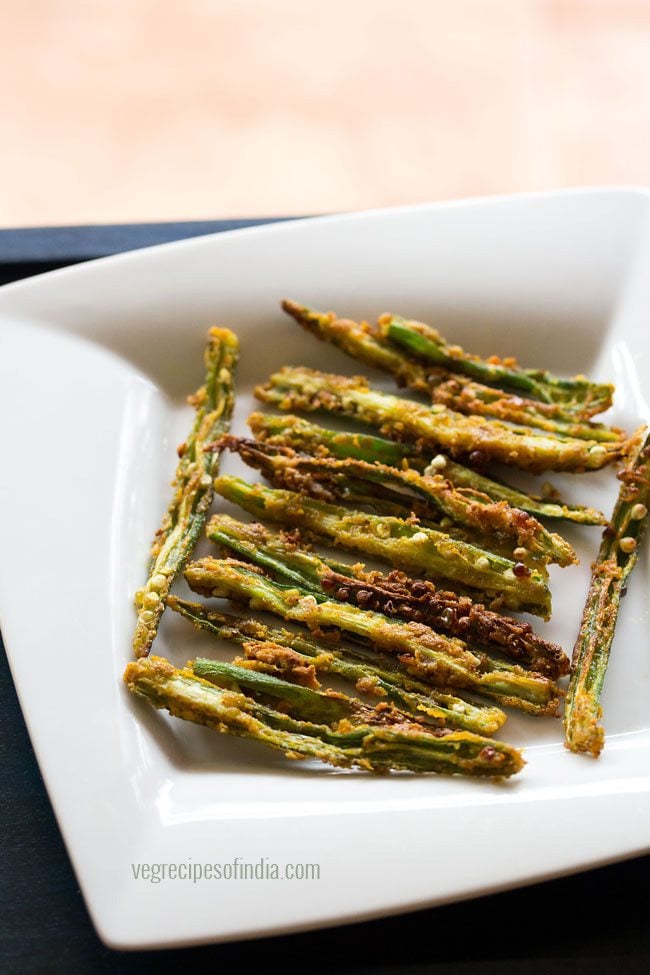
<point x="641" y="191"/>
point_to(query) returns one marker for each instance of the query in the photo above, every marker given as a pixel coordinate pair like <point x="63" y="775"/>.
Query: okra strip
<point x="348" y="717"/>
<point x="461" y="394"/>
<point x="299" y="434"/>
<point x="433" y="427"/>
<point x="578" y="395"/>
<point x="193" y="491"/>
<point x="393" y="595"/>
<point x="441" y="381"/>
<point x="330" y="479"/>
<point x="310" y="705"/>
<point x="616" y="558"/>
<point x="432" y="657"/>
<point x="415" y="549"/>
<point x="302" y="658"/>
<point x="371" y="747"/>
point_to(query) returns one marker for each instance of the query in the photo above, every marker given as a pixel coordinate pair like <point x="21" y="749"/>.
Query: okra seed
<point x="627" y="544"/>
<point x="437" y="464"/>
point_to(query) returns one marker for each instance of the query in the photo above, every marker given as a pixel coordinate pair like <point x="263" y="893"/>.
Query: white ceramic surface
<point x="94" y="365"/>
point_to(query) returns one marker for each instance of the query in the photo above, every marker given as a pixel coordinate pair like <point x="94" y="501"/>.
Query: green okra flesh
<point x="578" y="395"/>
<point x="193" y="490"/>
<point x="291" y="431"/>
<point x="392" y="595"/>
<point x="298" y="701"/>
<point x="415" y="549"/>
<point x="375" y="673"/>
<point x="418" y="358"/>
<point x="377" y="746"/>
<point x="435" y="427"/>
<point x="330" y="479"/>
<point x="616" y="558"/>
<point x="432" y="657"/>
<point x="461" y="394"/>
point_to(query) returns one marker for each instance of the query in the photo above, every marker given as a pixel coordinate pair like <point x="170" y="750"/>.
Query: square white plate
<point x="95" y="362"/>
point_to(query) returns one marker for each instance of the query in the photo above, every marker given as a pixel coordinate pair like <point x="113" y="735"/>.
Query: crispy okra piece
<point x="429" y="367"/>
<point x="193" y="490"/>
<point x="302" y="659"/>
<point x="616" y="558"/>
<point x="356" y="739"/>
<point x="465" y="396"/>
<point x="430" y="656"/>
<point x="578" y="396"/>
<point x="394" y="595"/>
<point x="433" y="428"/>
<point x="413" y="548"/>
<point x="301" y="435"/>
<point x="331" y="479"/>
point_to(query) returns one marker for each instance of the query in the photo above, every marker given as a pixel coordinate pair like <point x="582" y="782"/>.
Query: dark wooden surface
<point x="594" y="923"/>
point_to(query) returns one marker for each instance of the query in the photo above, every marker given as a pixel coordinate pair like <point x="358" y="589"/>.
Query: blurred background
<point x="136" y="110"/>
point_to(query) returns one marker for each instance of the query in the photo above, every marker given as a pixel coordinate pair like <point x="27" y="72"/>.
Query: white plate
<point x="95" y="362"/>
